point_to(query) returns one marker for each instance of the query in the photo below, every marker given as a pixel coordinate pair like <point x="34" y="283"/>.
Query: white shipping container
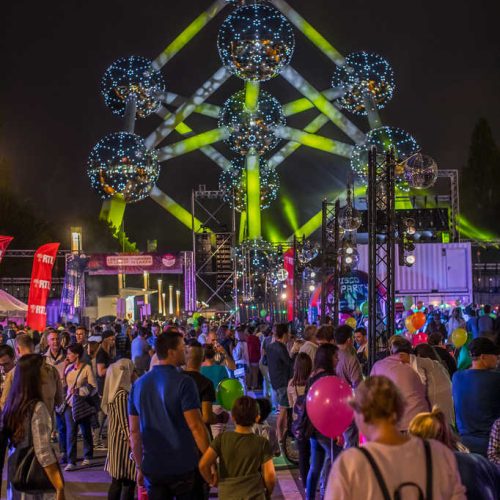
<point x="442" y="272"/>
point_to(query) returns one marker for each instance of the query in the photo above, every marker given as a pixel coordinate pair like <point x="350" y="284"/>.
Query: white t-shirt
<point x="352" y="477"/>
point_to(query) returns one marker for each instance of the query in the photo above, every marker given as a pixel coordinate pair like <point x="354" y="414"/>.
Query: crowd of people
<point x="146" y="393"/>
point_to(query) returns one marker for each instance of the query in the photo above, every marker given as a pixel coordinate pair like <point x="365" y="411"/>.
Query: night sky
<point x="445" y="56"/>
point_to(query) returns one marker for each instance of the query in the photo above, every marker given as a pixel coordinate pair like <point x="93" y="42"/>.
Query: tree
<point x="480" y="178"/>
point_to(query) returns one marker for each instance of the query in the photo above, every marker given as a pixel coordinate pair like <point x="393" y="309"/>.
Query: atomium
<point x="255" y="256"/>
<point x="421" y="171"/>
<point x="251" y="129"/>
<point x="233" y="182"/>
<point x="255" y="42"/>
<point x="364" y="74"/>
<point x="385" y="138"/>
<point x="120" y="164"/>
<point x="128" y="77"/>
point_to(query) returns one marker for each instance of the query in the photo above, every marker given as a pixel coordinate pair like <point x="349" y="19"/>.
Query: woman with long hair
<point x="391" y="464"/>
<point x="79" y="381"/>
<point x="27" y="421"/>
<point x="323" y="450"/>
<point x="480" y="477"/>
<point x="302" y="369"/>
<point x="121" y="468"/>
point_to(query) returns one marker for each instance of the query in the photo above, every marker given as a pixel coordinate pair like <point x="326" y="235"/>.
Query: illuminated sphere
<point x="255" y="42"/>
<point x="132" y="76"/>
<point x="120" y="164"/>
<point x="364" y="73"/>
<point x="255" y="255"/>
<point x="421" y="171"/>
<point x="251" y="129"/>
<point x="350" y="219"/>
<point x="233" y="180"/>
<point x="383" y="139"/>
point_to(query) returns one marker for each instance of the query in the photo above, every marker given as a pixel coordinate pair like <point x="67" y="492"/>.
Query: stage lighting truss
<point x="134" y="88"/>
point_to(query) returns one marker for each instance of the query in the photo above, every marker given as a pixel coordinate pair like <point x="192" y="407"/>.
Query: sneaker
<point x="70" y="467"/>
<point x="63" y="460"/>
<point x="85" y="462"/>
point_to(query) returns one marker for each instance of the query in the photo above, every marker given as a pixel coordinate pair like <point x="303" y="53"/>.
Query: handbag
<point x="82" y="407"/>
<point x="28" y="476"/>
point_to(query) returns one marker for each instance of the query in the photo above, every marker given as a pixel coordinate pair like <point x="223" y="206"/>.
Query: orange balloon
<point x="418" y="320"/>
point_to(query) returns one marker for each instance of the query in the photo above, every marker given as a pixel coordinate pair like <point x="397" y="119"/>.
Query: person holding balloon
<point x="456" y="321"/>
<point x="323" y="449"/>
<point x="391" y="464"/>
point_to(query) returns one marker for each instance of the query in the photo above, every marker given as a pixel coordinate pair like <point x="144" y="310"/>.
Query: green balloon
<point x="228" y="391"/>
<point x="195" y="323"/>
<point x="364" y="308"/>
<point x="263" y="313"/>
<point x="196" y="315"/>
<point x="408" y="302"/>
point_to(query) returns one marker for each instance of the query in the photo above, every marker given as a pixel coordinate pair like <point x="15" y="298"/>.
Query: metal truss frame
<point x="210" y="219"/>
<point x="454" y="201"/>
<point x="330" y="244"/>
<point x="381" y="250"/>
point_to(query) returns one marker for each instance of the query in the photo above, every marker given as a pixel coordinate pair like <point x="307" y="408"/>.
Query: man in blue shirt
<point x="166" y="427"/>
<point x="476" y="395"/>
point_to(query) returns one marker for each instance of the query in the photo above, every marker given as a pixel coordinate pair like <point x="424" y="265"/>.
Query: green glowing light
<point x="289" y="211"/>
<point x="314" y="36"/>
<point x="189" y="33"/>
<point x="192" y="143"/>
<point x="243" y="226"/>
<point x="253" y="196"/>
<point x="323" y="104"/>
<point x="113" y="211"/>
<point x="251" y="95"/>
<point x="178" y="211"/>
<point x="467" y="229"/>
<point x="315" y="141"/>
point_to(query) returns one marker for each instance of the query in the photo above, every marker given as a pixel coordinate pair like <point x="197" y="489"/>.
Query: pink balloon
<point x="327" y="406"/>
<point x="343" y="317"/>
<point x="419" y="338"/>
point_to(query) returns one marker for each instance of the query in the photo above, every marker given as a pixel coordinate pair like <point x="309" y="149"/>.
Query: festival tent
<point x="10" y="306"/>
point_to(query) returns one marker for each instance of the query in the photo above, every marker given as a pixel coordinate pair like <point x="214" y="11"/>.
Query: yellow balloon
<point x="459" y="337"/>
<point x="351" y="322"/>
<point x="409" y="324"/>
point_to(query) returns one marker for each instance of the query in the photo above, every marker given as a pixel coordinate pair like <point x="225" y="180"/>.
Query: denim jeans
<point x="71" y="436"/>
<point x="321" y="462"/>
<point x="61" y="433"/>
<point x="178" y="487"/>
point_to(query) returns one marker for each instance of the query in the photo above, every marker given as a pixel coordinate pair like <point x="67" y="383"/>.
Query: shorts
<point x="281" y="396"/>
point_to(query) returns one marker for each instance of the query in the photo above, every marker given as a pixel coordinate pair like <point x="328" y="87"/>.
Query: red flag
<point x="4" y="243"/>
<point x="290" y="268"/>
<point x="41" y="280"/>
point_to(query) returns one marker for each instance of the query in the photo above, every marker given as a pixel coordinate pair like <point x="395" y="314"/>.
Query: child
<point x="262" y="427"/>
<point x="246" y="469"/>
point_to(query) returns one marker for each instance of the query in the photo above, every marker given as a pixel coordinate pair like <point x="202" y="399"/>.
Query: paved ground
<point x="93" y="482"/>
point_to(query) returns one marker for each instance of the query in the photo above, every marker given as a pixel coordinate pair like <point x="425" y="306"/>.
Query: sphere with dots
<point x="255" y="42"/>
<point x="233" y="182"/>
<point x="251" y="129"/>
<point x="421" y="171"/>
<point x="385" y="138"/>
<point x="363" y="75"/>
<point x="136" y="77"/>
<point x="120" y="164"/>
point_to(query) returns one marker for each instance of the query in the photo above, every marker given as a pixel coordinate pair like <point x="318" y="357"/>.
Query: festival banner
<point x="4" y="243"/>
<point x="168" y="263"/>
<point x="41" y="280"/>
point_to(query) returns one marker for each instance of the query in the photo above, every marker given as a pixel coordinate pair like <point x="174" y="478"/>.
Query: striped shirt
<point x="118" y="462"/>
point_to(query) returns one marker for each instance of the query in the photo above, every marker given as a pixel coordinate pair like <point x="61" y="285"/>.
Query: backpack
<point x="398" y="493"/>
<point x="301" y="425"/>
